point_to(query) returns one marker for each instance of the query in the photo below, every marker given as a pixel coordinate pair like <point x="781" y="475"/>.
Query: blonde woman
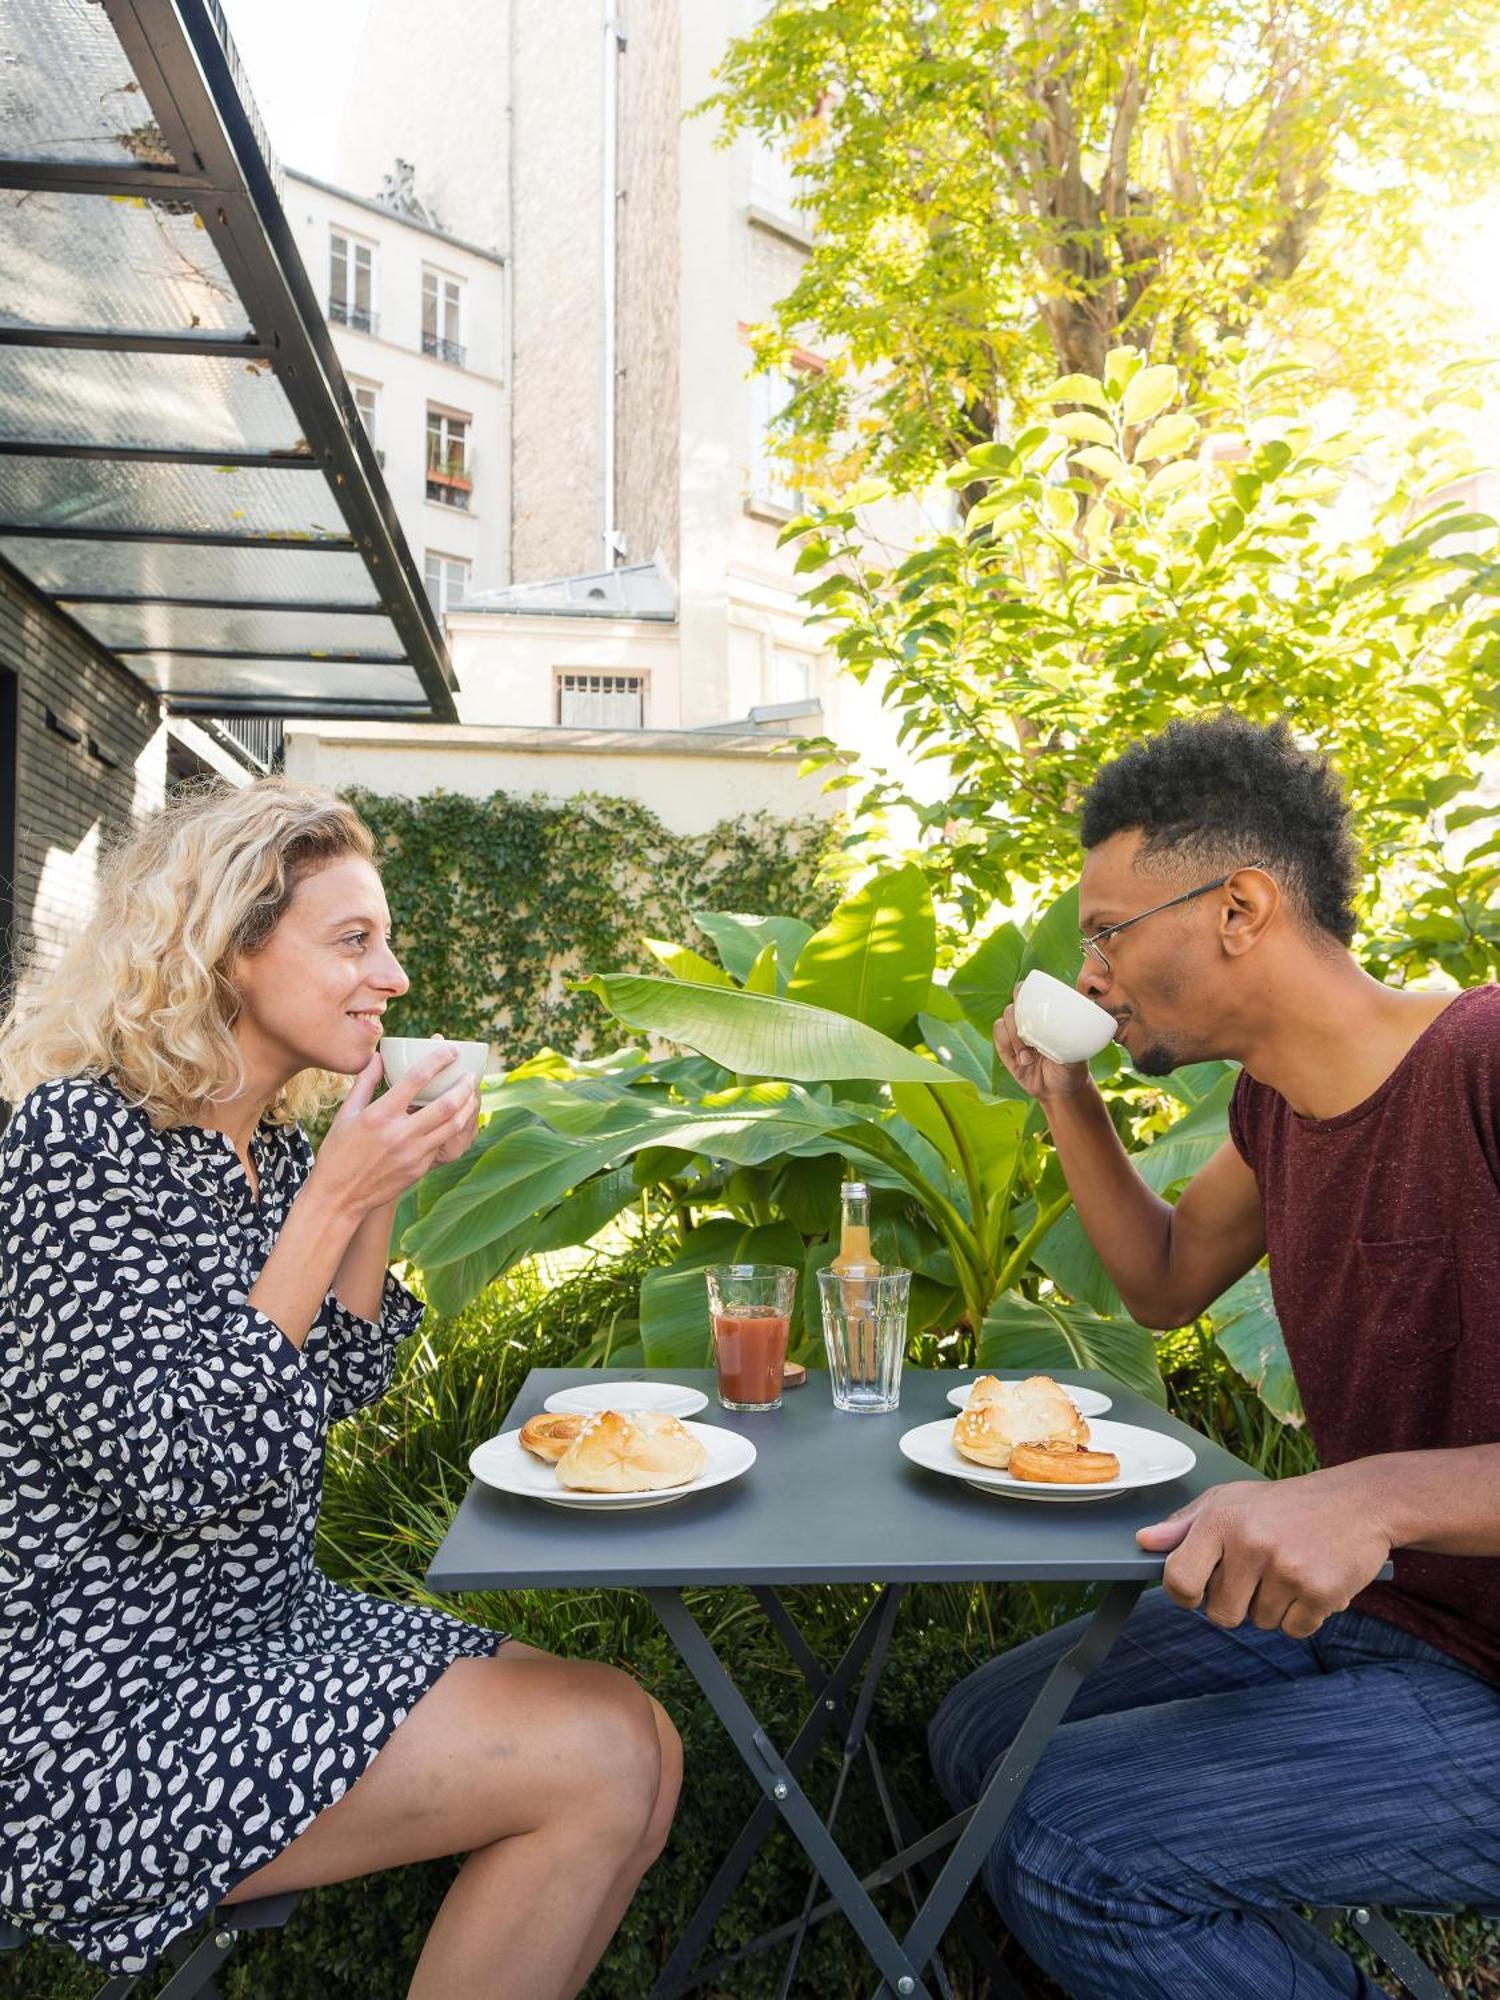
<point x="190" y="1713"/>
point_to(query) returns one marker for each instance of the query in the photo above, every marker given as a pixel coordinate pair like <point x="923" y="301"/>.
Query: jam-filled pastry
<point x="549" y="1435"/>
<point x="1056" y="1464"/>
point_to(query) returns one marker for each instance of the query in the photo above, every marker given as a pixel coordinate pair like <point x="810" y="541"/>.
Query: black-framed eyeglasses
<point x="1090" y="945"/>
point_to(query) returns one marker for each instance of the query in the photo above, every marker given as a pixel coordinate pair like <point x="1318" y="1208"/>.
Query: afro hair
<point x="1221" y="792"/>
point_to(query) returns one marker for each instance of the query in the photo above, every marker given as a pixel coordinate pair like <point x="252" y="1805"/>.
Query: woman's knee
<point x="599" y="1744"/>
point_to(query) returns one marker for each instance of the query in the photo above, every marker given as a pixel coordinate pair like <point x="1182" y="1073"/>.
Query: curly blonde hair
<point x="144" y="994"/>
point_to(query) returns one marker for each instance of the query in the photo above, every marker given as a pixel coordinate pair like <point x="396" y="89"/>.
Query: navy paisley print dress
<point x="181" y="1691"/>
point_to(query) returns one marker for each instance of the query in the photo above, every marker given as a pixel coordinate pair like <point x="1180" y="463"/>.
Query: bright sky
<point x="296" y="53"/>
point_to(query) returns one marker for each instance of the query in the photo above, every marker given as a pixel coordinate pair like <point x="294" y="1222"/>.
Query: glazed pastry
<point x="635" y="1454"/>
<point x="1006" y="1414"/>
<point x="549" y="1435"/>
<point x="1057" y="1464"/>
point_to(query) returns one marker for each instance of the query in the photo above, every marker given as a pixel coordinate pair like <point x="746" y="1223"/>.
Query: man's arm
<point x="1292" y="1552"/>
<point x="1169" y="1263"/>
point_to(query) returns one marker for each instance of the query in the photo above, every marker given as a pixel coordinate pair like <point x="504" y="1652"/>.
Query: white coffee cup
<point x="1058" y="1021"/>
<point x="400" y="1054"/>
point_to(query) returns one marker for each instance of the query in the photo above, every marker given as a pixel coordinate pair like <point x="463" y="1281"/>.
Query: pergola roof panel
<point x="68" y="91"/>
<point x="132" y="262"/>
<point x="200" y="499"/>
<point x="174" y="421"/>
<point x="272" y="630"/>
<point x="294" y="575"/>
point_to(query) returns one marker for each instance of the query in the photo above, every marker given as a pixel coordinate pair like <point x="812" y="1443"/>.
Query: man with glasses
<point x="1274" y="1729"/>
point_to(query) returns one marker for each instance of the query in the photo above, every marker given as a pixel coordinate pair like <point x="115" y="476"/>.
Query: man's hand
<point x="1285" y="1554"/>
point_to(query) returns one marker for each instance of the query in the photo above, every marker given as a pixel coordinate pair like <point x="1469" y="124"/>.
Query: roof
<point x="183" y="471"/>
<point x="639" y="590"/>
<point x="388" y="212"/>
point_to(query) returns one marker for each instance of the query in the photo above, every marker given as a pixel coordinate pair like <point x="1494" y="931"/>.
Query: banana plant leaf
<point x="1053" y="944"/>
<point x="675" y="1329"/>
<point x="684" y="963"/>
<point x="873" y="959"/>
<point x="959" y="1047"/>
<point x="740" y="940"/>
<point x="1042" y="1334"/>
<point x="1249" y="1333"/>
<point x="754" y="1035"/>
<point x="988" y="1129"/>
<point x="984" y="983"/>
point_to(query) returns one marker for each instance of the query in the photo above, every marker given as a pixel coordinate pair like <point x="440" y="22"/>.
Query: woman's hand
<point x="378" y="1147"/>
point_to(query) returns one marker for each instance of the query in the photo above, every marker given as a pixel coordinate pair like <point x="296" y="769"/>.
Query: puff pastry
<point x="1058" y="1464"/>
<point x="1001" y="1415"/>
<point x="635" y="1454"/>
<point x="549" y="1435"/>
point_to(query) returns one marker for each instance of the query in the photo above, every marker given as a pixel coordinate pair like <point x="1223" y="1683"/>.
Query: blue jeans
<point x="1206" y="1780"/>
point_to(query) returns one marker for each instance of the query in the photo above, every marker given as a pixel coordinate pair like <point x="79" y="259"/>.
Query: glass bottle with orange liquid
<point x="855" y="1260"/>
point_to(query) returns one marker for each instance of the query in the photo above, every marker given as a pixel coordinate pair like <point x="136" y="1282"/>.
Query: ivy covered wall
<point x="497" y="903"/>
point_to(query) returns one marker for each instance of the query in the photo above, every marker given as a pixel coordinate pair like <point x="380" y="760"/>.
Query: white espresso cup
<point x="400" y="1054"/>
<point x="1058" y="1021"/>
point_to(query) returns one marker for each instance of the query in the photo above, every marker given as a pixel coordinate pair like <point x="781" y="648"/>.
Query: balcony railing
<point x="450" y="477"/>
<point x="359" y="317"/>
<point x="445" y="350"/>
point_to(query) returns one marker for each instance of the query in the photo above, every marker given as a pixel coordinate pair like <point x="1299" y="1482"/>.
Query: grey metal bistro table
<point x="830" y="1499"/>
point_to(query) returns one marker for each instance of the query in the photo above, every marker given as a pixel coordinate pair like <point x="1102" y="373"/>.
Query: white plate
<point x="1146" y="1459"/>
<point x="1087" y="1402"/>
<point x="587" y="1397"/>
<point x="504" y="1463"/>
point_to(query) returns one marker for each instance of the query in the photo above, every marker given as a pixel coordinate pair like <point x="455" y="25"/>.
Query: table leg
<point x="1001" y="1795"/>
<point x="774" y="1774"/>
<point x="827" y="1712"/>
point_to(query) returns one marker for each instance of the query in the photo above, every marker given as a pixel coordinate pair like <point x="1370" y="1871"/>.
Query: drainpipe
<point x="614" y="44"/>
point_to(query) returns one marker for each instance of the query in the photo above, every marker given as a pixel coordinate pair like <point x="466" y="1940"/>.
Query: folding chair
<point x="1394" y="1953"/>
<point x="197" y="1958"/>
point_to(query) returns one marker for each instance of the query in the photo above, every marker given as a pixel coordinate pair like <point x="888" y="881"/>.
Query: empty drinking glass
<point x="864" y="1330"/>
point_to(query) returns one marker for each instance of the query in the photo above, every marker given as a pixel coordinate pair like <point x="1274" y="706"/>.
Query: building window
<point x="788" y="677"/>
<point x="447" y="579"/>
<point x="351" y="282"/>
<point x="601" y="701"/>
<point x="770" y="478"/>
<point x="450" y="463"/>
<point x="367" y="402"/>
<point x="442" y="317"/>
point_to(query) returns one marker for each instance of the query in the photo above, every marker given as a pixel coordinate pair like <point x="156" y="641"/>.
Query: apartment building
<point x="418" y="320"/>
<point x="644" y="589"/>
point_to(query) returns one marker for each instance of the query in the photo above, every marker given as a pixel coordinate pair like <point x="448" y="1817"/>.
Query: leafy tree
<point x="1130" y="558"/>
<point x="1003" y="188"/>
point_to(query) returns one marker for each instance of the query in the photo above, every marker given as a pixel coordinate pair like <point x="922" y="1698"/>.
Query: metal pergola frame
<point x="184" y="62"/>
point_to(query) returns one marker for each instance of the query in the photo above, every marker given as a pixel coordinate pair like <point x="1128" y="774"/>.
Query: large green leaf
<point x="684" y="963"/>
<point x="1249" y="1333"/>
<point x="984" y="983"/>
<point x="675" y="1331"/>
<point x="740" y="939"/>
<point x="579" y="1216"/>
<point x="1053" y="944"/>
<point x="1042" y="1334"/>
<point x="533" y="1167"/>
<point x="874" y="957"/>
<point x="754" y="1035"/>
<point x="989" y="1129"/>
<point x="960" y="1046"/>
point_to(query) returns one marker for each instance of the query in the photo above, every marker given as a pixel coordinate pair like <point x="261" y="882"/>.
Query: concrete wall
<point x="406" y="380"/>
<point x="68" y="803"/>
<point x="648" y="349"/>
<point x="690" y="783"/>
<point x="557" y="57"/>
<point x="507" y="665"/>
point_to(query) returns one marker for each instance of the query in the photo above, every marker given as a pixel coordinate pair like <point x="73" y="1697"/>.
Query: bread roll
<point x="549" y="1435"/>
<point x="636" y="1454"/>
<point x="1058" y="1464"/>
<point x="1035" y="1411"/>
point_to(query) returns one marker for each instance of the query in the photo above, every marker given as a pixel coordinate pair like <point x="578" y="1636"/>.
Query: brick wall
<point x="68" y="802"/>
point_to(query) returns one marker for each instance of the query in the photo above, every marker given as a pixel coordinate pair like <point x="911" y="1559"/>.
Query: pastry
<point x="550" y="1434"/>
<point x="1057" y="1464"/>
<point x="635" y="1454"/>
<point x="1006" y="1414"/>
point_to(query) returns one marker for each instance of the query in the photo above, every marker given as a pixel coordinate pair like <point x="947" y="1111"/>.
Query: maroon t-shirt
<point x="1383" y="1232"/>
